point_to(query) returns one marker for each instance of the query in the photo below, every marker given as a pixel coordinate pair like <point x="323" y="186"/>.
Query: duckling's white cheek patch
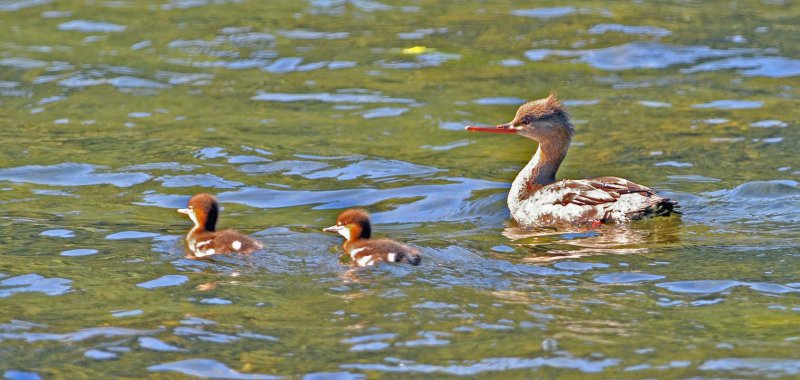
<point x="345" y="232"/>
<point x="236" y="245"/>
<point x="193" y="217"/>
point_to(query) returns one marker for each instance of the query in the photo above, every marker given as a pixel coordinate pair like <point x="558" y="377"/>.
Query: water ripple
<point x="492" y="365"/>
<point x="207" y="368"/>
<point x="91" y="26"/>
<point x="638" y="55"/>
<point x="34" y="283"/>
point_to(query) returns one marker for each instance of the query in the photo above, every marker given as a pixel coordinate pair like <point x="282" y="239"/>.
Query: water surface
<point x="115" y="112"/>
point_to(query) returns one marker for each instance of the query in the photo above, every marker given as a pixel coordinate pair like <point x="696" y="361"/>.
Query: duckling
<point x="203" y="239"/>
<point x="354" y="226"/>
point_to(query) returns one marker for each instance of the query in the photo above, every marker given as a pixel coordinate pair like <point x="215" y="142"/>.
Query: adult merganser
<point x="537" y="200"/>
<point x="203" y="240"/>
<point x="354" y="226"/>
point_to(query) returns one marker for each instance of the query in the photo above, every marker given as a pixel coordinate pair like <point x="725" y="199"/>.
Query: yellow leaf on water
<point x="416" y="50"/>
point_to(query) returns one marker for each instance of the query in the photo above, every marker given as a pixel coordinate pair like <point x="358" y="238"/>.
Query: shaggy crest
<point x="540" y="109"/>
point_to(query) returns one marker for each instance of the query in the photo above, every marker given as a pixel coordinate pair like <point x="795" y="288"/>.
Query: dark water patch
<point x="54" y="14"/>
<point x="192" y="79"/>
<point x="131" y="235"/>
<point x="59" y="233"/>
<point x="384" y="112"/>
<point x="428" y="339"/>
<point x="79" y="252"/>
<point x="626" y="278"/>
<point x="654" y="104"/>
<point x="123" y="82"/>
<point x="446" y="147"/>
<point x="15" y="5"/>
<point x="342" y="97"/>
<point x="767" y="367"/>
<point x="638" y="55"/>
<point x="749" y="204"/>
<point x="492" y="365"/>
<point x="99" y="355"/>
<point x="674" y="164"/>
<point x="215" y="301"/>
<point x="244" y="159"/>
<point x="769" y="124"/>
<point x="760" y="190"/>
<point x="163" y="281"/>
<point x="334" y="376"/>
<point x="304" y="34"/>
<point x="126" y="313"/>
<point x="545" y="13"/>
<point x="22" y="63"/>
<point x="79" y="336"/>
<point x="87" y="26"/>
<point x="730" y="104"/>
<point x="375" y="169"/>
<point x="153" y="344"/>
<point x="162" y="166"/>
<point x="770" y="67"/>
<point x="71" y="174"/>
<point x="692" y="178"/>
<point x="203" y="335"/>
<point x="426" y="59"/>
<point x="502" y="100"/>
<point x="34" y="283"/>
<point x="437" y="203"/>
<point x="578" y="266"/>
<point x="21" y="375"/>
<point x="290" y="167"/>
<point x="629" y="29"/>
<point x="207" y="368"/>
<point x="716" y="286"/>
<point x="198" y="180"/>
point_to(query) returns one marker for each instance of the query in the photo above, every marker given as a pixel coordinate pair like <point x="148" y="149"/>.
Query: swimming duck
<point x="536" y="199"/>
<point x="203" y="239"/>
<point x="355" y="227"/>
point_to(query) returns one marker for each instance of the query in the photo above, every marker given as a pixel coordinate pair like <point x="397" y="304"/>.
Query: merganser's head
<point x="203" y="210"/>
<point x="543" y="120"/>
<point x="352" y="225"/>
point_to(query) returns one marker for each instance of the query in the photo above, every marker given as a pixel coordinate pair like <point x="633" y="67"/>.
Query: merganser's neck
<point x="539" y="172"/>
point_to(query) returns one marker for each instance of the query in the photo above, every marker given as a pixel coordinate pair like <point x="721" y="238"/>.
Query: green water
<point x="294" y="111"/>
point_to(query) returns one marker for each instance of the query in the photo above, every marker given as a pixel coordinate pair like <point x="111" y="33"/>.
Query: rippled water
<point x="115" y="112"/>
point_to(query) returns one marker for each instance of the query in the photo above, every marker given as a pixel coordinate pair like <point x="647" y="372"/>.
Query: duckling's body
<point x="203" y="239"/>
<point x="355" y="227"/>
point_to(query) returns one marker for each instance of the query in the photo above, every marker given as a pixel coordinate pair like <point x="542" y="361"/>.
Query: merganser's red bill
<point x="502" y="128"/>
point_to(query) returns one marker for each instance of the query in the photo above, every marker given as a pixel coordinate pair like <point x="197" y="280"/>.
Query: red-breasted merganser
<point x="204" y="240"/>
<point x="537" y="200"/>
<point x="354" y="226"/>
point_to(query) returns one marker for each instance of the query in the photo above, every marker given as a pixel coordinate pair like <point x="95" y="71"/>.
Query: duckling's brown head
<point x="352" y="224"/>
<point x="203" y="209"/>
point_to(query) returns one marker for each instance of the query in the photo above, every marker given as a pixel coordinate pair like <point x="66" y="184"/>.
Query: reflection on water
<point x="116" y="112"/>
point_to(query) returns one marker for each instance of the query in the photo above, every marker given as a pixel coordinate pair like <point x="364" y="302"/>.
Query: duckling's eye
<point x="191" y="208"/>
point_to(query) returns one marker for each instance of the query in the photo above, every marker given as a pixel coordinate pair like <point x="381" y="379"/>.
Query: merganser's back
<point x="537" y="199"/>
